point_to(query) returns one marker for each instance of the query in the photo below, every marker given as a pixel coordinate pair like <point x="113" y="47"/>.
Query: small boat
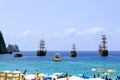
<point x="102" y="47"/>
<point x="57" y="57"/>
<point x="42" y="51"/>
<point x="18" y="55"/>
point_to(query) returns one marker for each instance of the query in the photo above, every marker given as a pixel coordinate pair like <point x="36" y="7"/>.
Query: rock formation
<point x="12" y="48"/>
<point x="2" y="44"/>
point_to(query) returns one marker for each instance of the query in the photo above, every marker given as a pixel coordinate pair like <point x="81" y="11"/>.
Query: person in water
<point x="16" y="69"/>
<point x="98" y="75"/>
<point x="94" y="76"/>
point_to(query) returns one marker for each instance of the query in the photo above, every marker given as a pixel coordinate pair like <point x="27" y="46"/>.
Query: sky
<point x="61" y="23"/>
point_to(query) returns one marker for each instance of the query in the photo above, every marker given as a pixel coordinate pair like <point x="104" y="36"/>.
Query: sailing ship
<point x="102" y="47"/>
<point x="42" y="51"/>
<point x="73" y="51"/>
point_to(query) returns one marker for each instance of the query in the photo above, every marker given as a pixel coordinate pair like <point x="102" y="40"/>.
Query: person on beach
<point x="67" y="76"/>
<point x="94" y="76"/>
<point x="25" y="71"/>
<point x="36" y="73"/>
<point x="98" y="75"/>
<point x="16" y="69"/>
<point x="24" y="74"/>
<point x="54" y="79"/>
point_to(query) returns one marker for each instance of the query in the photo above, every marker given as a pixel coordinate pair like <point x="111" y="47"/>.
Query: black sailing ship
<point x="42" y="51"/>
<point x="73" y="51"/>
<point x="102" y="47"/>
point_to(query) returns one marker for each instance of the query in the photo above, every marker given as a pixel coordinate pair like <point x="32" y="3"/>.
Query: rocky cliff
<point x="2" y="44"/>
<point x="12" y="48"/>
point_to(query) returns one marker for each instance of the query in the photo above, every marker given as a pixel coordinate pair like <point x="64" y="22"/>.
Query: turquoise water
<point x="82" y="64"/>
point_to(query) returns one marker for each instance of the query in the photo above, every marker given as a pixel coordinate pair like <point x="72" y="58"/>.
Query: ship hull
<point x="73" y="54"/>
<point x="103" y="52"/>
<point x="41" y="53"/>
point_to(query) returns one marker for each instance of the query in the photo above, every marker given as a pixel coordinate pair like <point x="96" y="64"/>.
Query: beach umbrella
<point x="30" y="77"/>
<point x="42" y="75"/>
<point x="61" y="79"/>
<point x="80" y="75"/>
<point x="85" y="77"/>
<point x="7" y="71"/>
<point x="75" y="78"/>
<point x="16" y="71"/>
<point x="57" y="74"/>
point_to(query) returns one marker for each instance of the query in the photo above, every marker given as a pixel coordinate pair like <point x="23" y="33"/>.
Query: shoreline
<point x="54" y="76"/>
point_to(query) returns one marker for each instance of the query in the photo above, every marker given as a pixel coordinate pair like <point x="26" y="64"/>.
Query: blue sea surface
<point x="82" y="64"/>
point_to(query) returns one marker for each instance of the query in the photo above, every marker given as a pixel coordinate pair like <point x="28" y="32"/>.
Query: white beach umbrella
<point x="7" y="71"/>
<point x="57" y="74"/>
<point x="61" y="79"/>
<point x="42" y="75"/>
<point x="16" y="71"/>
<point x="80" y="75"/>
<point x="30" y="77"/>
<point x="105" y="74"/>
<point x="75" y="78"/>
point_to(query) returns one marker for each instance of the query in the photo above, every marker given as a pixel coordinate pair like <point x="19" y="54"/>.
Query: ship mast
<point x="104" y="42"/>
<point x="42" y="45"/>
<point x="73" y="49"/>
<point x="100" y="46"/>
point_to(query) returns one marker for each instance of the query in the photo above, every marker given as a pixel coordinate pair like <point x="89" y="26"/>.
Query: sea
<point x="82" y="64"/>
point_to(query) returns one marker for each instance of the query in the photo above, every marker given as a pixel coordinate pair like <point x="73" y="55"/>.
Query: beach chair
<point x="13" y="76"/>
<point x="3" y="76"/>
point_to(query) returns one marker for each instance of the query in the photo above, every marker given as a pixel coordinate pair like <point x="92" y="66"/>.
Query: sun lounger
<point x="3" y="76"/>
<point x="10" y="76"/>
<point x="14" y="76"/>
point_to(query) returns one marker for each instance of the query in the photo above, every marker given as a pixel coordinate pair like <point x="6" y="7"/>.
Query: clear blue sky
<point x="60" y="23"/>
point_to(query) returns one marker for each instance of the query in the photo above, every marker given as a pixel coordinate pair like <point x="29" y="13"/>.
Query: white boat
<point x="57" y="57"/>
